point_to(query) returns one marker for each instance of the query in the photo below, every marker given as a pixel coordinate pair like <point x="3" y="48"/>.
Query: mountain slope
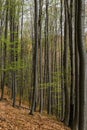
<point x="19" y="119"/>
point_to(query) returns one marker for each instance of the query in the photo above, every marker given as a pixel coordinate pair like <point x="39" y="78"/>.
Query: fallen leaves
<point x="19" y="119"/>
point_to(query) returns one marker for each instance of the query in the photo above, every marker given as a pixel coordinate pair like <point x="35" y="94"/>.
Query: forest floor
<point x="19" y="119"/>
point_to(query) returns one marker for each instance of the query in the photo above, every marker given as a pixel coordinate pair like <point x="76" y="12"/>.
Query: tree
<point x="67" y="89"/>
<point x="82" y="67"/>
<point x="40" y="44"/>
<point x="35" y="59"/>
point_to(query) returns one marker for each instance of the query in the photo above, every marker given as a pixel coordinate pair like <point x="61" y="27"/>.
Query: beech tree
<point x="35" y="59"/>
<point x="83" y="67"/>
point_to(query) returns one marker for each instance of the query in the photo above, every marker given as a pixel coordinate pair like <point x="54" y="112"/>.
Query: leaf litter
<point x="19" y="119"/>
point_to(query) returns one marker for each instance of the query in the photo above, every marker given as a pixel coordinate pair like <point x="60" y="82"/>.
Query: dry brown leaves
<point x="19" y="119"/>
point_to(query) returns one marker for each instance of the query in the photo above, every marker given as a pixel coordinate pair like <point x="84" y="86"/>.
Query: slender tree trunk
<point x="76" y="116"/>
<point x="4" y="52"/>
<point x="21" y="87"/>
<point x="35" y="62"/>
<point x="83" y="67"/>
<point x="67" y="89"/>
<point x="72" y="60"/>
<point x="40" y="43"/>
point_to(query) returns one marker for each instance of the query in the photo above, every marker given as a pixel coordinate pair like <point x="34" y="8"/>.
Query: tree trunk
<point x="35" y="60"/>
<point x="66" y="86"/>
<point x="83" y="67"/>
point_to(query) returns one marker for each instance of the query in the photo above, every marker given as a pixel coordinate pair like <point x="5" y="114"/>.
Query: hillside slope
<point x="19" y="119"/>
